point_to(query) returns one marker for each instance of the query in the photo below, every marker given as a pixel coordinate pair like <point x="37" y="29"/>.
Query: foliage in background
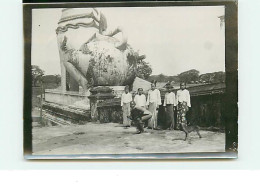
<point x="163" y="78"/>
<point x="190" y="77"/>
<point x="213" y="77"/>
<point x="49" y="81"/>
<point x="52" y="79"/>
<point x="143" y="68"/>
<point x="37" y="73"/>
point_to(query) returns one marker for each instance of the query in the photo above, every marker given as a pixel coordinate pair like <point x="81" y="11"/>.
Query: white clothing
<point x="183" y="96"/>
<point x="126" y="98"/>
<point x="154" y="96"/>
<point x="140" y="100"/>
<point x="169" y="99"/>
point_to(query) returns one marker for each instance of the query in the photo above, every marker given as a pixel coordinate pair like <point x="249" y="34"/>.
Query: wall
<point x="208" y="110"/>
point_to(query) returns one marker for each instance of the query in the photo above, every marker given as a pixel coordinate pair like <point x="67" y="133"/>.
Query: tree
<point x="205" y="78"/>
<point x="57" y="79"/>
<point x="174" y="79"/>
<point x="37" y="73"/>
<point x="162" y="78"/>
<point x="144" y="70"/>
<point x="188" y="76"/>
<point x="215" y="77"/>
<point x="219" y="76"/>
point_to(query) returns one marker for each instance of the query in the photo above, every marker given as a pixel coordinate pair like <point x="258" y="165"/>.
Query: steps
<point x="57" y="114"/>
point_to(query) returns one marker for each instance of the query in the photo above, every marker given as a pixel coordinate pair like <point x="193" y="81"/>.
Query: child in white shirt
<point x="140" y="99"/>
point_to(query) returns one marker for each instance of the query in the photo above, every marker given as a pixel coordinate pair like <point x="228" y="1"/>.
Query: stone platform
<point x="65" y="108"/>
<point x="100" y="104"/>
<point x="68" y="98"/>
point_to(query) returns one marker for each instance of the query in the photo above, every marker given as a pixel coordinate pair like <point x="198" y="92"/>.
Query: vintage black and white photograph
<point x="128" y="80"/>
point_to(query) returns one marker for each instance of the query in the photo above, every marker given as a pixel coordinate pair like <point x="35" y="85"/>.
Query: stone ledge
<point x="66" y="113"/>
<point x="71" y="93"/>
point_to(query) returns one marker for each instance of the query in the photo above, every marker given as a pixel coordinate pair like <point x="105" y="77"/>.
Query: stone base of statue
<point x="64" y="108"/>
<point x="101" y="104"/>
<point x="105" y="105"/>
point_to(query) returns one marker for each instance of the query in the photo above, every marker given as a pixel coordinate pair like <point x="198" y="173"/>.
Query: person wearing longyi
<point x="183" y="104"/>
<point x="169" y="104"/>
<point x="153" y="102"/>
<point x="125" y="103"/>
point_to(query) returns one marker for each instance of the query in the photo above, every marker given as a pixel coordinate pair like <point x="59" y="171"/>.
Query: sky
<point x="174" y="39"/>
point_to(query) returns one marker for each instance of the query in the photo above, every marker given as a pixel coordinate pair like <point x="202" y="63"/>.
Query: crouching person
<point x="139" y="115"/>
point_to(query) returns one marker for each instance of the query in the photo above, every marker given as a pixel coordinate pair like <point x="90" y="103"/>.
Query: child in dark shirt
<point x="138" y="116"/>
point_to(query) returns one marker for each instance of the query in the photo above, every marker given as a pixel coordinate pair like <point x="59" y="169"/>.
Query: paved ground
<point x="112" y="138"/>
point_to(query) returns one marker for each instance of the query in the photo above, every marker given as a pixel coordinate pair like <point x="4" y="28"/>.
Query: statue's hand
<point x="63" y="45"/>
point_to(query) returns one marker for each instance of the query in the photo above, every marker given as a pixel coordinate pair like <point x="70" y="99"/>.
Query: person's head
<point x="169" y="89"/>
<point x="140" y="91"/>
<point x="132" y="104"/>
<point x="152" y="86"/>
<point x="126" y="89"/>
<point x="182" y="85"/>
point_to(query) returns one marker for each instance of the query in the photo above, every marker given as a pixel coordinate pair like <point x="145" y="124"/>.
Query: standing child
<point x="125" y="103"/>
<point x="140" y="99"/>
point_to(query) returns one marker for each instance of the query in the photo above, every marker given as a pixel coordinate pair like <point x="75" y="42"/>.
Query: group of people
<point x="142" y="111"/>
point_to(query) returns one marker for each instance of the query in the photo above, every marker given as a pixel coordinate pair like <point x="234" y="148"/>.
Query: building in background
<point x="207" y="106"/>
